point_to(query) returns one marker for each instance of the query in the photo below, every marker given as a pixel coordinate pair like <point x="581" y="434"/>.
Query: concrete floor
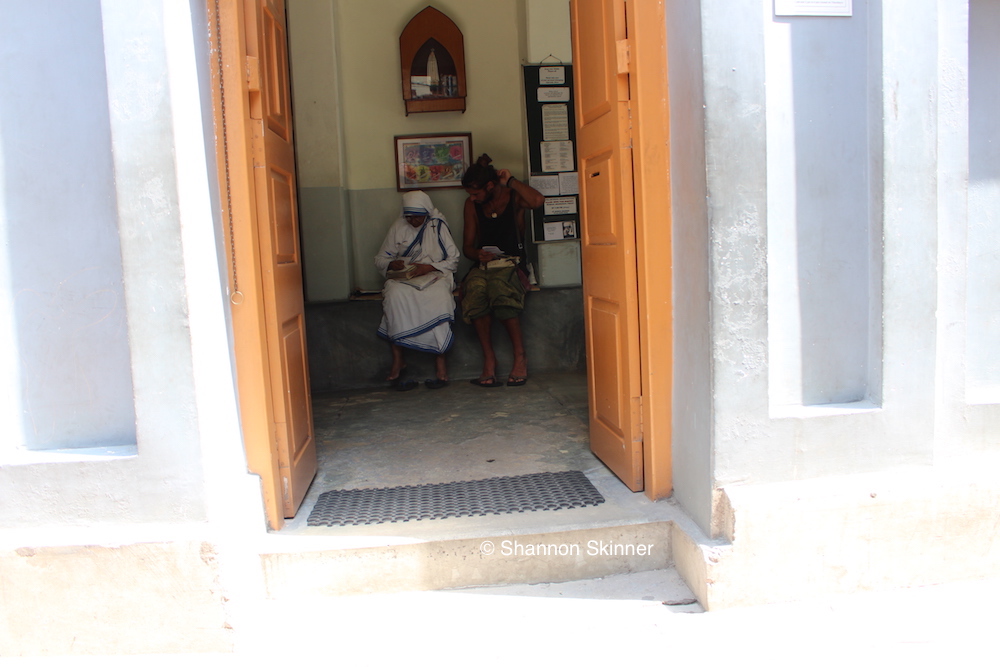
<point x="382" y="437"/>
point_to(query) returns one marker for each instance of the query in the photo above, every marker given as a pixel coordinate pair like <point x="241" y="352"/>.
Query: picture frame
<point x="432" y="161"/>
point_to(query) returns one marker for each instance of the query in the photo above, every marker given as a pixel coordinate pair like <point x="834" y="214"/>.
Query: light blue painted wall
<point x="66" y="379"/>
<point x="823" y="120"/>
<point x="984" y="203"/>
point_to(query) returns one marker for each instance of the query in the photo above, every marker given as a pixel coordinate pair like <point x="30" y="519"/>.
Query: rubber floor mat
<point x="497" y="495"/>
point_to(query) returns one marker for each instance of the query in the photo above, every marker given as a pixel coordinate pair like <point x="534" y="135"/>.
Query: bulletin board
<point x="551" y="124"/>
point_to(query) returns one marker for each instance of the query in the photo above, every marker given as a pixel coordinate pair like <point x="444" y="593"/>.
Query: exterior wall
<point x="981" y="245"/>
<point x="823" y="119"/>
<point x="851" y="180"/>
<point x="174" y="510"/>
<point x="774" y="419"/>
<point x="63" y="343"/>
<point x="692" y="409"/>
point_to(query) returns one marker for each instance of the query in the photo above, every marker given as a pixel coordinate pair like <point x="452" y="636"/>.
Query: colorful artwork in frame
<point x="427" y="161"/>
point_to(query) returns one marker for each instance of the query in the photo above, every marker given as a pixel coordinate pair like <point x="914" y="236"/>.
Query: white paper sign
<point x="555" y="122"/>
<point x="569" y="183"/>
<point x="552" y="76"/>
<point x="557" y="156"/>
<point x="560" y="205"/>
<point x="547" y="185"/>
<point x="553" y="94"/>
<point x="813" y="8"/>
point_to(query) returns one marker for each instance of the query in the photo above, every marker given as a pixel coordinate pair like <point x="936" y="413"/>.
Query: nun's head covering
<point x="416" y="202"/>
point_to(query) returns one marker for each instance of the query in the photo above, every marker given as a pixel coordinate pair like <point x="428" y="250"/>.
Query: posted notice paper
<point x="555" y="122"/>
<point x="547" y="185"/>
<point x="557" y="156"/>
<point x="560" y="205"/>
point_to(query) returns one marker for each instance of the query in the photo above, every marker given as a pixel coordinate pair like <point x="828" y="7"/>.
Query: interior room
<point x="348" y="108"/>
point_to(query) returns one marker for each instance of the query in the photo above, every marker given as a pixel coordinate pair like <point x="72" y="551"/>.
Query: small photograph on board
<point x="560" y="230"/>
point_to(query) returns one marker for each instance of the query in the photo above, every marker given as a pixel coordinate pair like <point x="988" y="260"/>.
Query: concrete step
<point x="334" y="566"/>
<point x="663" y="586"/>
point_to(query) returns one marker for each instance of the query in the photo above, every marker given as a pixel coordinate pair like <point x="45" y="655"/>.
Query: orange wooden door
<point x="280" y="256"/>
<point x="608" y="244"/>
<point x="257" y="172"/>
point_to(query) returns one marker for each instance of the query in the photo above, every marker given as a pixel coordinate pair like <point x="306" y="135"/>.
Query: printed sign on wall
<point x="813" y="8"/>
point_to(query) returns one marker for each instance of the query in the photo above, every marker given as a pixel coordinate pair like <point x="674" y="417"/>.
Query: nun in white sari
<point x="419" y="259"/>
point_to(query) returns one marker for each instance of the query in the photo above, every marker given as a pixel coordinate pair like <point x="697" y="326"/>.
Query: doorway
<point x="652" y="412"/>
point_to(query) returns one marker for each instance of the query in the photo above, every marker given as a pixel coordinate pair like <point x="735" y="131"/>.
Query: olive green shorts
<point x="497" y="292"/>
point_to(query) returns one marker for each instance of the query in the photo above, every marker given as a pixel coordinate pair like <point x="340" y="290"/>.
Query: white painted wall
<point x="823" y="118"/>
<point x="692" y="395"/>
<point x="64" y="367"/>
<point x="186" y="467"/>
<point x="837" y="153"/>
<point x="984" y="203"/>
<point x="968" y="418"/>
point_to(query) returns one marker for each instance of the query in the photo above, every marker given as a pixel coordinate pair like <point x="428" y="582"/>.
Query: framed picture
<point x="429" y="161"/>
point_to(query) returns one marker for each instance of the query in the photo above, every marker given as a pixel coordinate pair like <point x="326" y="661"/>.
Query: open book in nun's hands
<point x="419" y="282"/>
<point x="404" y="273"/>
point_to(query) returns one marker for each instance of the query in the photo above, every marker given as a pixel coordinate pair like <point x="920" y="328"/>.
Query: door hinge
<point x="253" y="74"/>
<point x="257" y="150"/>
<point x="624" y="56"/>
<point x="637" y="426"/>
<point x="253" y="86"/>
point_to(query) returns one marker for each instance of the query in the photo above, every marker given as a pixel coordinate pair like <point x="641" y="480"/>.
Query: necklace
<point x="493" y="207"/>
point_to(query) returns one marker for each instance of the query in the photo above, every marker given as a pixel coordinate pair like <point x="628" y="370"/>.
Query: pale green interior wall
<point x="548" y="30"/>
<point x="374" y="111"/>
<point x="373" y="100"/>
<point x="348" y="106"/>
<point x="324" y="215"/>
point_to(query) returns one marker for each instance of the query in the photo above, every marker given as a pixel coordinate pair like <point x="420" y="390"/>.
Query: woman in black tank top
<point x="494" y="239"/>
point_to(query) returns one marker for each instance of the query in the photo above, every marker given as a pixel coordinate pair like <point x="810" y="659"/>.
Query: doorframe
<point x="646" y="27"/>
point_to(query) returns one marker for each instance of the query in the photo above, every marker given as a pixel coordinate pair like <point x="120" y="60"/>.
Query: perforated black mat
<point x="497" y="495"/>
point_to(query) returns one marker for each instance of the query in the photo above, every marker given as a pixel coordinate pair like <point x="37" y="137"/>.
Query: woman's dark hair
<point x="478" y="175"/>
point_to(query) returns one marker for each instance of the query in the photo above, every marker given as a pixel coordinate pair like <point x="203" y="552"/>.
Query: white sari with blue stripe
<point x="419" y="319"/>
